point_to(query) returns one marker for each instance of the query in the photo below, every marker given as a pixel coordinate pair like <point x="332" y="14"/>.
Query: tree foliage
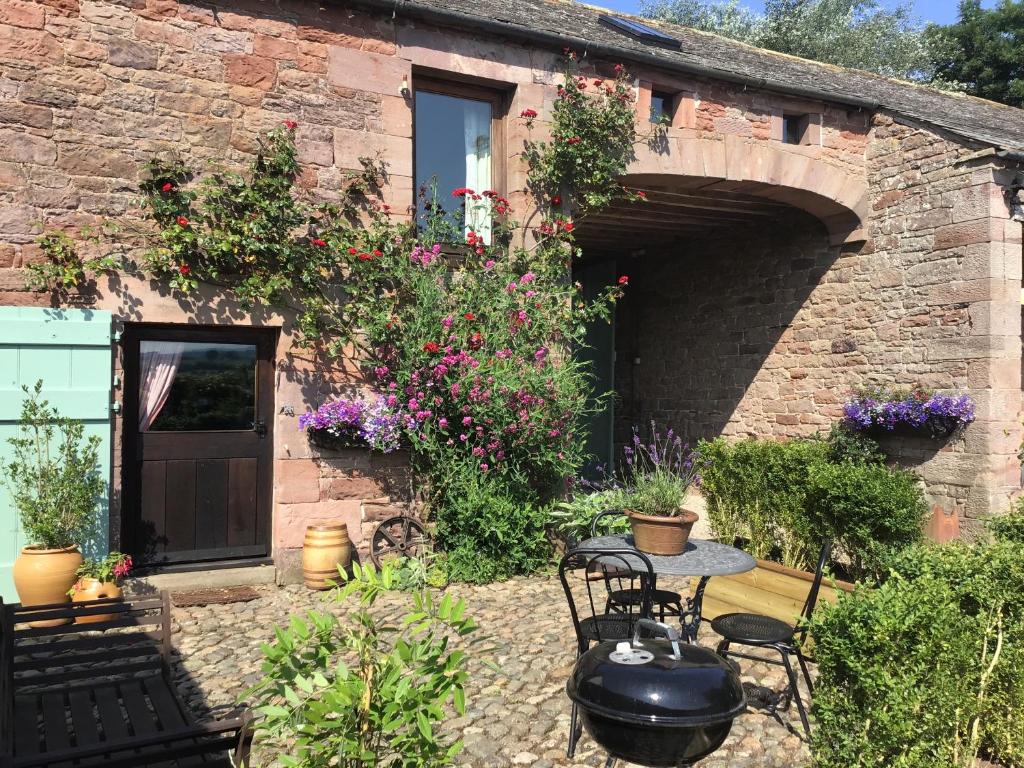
<point x="862" y="34"/>
<point x="984" y="50"/>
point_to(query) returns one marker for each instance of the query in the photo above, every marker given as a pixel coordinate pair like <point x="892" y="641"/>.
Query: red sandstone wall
<point x="91" y="89"/>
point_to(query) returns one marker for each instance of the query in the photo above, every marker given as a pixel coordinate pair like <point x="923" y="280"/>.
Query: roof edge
<point x="414" y="10"/>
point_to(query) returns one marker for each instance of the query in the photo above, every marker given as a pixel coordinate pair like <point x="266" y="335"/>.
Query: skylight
<point x="641" y="31"/>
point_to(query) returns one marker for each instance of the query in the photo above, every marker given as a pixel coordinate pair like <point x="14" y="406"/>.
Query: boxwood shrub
<point x="781" y="498"/>
<point x="926" y="670"/>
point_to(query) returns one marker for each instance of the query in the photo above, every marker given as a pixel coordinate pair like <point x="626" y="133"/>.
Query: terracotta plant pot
<point x="88" y="588"/>
<point x="44" y="576"/>
<point x="660" y="535"/>
<point x="326" y="547"/>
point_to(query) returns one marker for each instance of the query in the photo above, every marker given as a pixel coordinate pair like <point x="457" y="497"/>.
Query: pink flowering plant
<point x="113" y="567"/>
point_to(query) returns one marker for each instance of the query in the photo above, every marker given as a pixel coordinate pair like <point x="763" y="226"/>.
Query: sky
<point x="939" y="11"/>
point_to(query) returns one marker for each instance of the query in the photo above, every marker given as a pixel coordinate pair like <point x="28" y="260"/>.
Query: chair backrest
<point x="585" y="574"/>
<point x="604" y="514"/>
<point x="133" y="637"/>
<point x="812" y="595"/>
<point x="6" y="688"/>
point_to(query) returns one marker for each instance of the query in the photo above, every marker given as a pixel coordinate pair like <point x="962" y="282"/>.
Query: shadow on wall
<point x="738" y="334"/>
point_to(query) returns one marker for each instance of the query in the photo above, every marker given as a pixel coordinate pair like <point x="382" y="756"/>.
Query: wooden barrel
<point x="326" y="547"/>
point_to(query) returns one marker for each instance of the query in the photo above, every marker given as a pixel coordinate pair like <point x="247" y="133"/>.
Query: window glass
<point x="453" y="151"/>
<point x="212" y="386"/>
<point x="661" y="106"/>
<point x="794" y="128"/>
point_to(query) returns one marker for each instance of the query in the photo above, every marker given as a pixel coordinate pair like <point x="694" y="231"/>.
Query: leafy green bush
<point x="1009" y="527"/>
<point x="489" y="531"/>
<point x="868" y="509"/>
<point x="928" y="669"/>
<point x="783" y="497"/>
<point x="54" y="475"/>
<point x="359" y="691"/>
<point x="573" y="518"/>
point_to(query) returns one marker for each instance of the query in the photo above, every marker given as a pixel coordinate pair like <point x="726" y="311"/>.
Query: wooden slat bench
<point x="102" y="694"/>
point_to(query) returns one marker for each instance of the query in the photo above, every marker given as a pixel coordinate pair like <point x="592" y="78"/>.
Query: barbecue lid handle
<point x="658" y="628"/>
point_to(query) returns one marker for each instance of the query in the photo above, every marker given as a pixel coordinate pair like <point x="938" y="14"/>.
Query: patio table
<point x="701" y="558"/>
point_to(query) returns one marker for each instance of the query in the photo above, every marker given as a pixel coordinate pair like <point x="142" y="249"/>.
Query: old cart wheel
<point x="399" y="536"/>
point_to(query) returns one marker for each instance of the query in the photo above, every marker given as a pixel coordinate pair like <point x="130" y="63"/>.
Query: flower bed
<point x="918" y="413"/>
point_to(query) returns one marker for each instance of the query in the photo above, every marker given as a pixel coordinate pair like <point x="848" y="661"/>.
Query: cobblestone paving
<point x="517" y="715"/>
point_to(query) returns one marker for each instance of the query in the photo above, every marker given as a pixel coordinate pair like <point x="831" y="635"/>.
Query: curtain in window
<point x="477" y="129"/>
<point x="158" y="365"/>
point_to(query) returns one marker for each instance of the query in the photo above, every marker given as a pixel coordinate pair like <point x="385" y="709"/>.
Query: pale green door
<point x="70" y="350"/>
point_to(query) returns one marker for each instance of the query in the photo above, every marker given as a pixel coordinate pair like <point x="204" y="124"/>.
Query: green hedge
<point x="783" y="497"/>
<point x="909" y="675"/>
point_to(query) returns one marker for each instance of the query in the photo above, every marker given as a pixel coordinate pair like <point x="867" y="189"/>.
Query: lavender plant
<point x="658" y="473"/>
<point x="918" y="409"/>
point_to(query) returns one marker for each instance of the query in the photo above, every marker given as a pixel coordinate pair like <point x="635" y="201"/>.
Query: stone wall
<point x="765" y="334"/>
<point x="92" y="89"/>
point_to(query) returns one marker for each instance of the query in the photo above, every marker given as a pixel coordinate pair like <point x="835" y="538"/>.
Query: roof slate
<point x="988" y="122"/>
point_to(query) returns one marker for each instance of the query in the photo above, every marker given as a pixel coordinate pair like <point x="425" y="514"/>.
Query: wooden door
<point x="200" y="484"/>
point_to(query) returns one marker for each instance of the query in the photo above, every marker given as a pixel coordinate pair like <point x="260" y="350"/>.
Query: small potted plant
<point x="54" y="481"/>
<point x="657" y="481"/>
<point x="100" y="578"/>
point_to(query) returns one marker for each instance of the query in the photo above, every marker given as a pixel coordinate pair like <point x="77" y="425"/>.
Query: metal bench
<point x="91" y="694"/>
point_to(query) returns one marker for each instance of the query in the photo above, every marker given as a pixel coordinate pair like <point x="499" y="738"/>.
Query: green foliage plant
<point x="1010" y="526"/>
<point x="361" y="691"/>
<point x="573" y="518"/>
<point x="114" y="566"/>
<point x="860" y="34"/>
<point x="782" y="498"/>
<point x="926" y="670"/>
<point x="53" y="477"/>
<point x="64" y="269"/>
<point x="984" y="50"/>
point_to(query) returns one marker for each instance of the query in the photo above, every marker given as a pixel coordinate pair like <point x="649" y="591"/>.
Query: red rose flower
<point x="318" y="242"/>
<point x="461" y="191"/>
<point x="365" y="257"/>
<point x="353" y="251"/>
<point x="642" y="195"/>
<point x="624" y="280"/>
<point x="183" y="269"/>
<point x="377" y="253"/>
<point x="529" y="114"/>
<point x="568" y="226"/>
<point x="291" y="125"/>
<point x="469" y="316"/>
<point x="618" y="69"/>
<point x="167" y="187"/>
<point x="182" y="221"/>
<point x="556" y="200"/>
<point x="431" y="347"/>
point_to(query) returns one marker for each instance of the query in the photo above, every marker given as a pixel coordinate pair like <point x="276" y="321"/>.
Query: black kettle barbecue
<point x="656" y="702"/>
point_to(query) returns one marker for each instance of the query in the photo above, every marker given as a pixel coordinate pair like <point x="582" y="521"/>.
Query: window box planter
<point x="937" y="428"/>
<point x="917" y="413"/>
<point x="323" y="439"/>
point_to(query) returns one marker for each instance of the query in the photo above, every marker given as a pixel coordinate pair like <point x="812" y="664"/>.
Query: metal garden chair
<point x="755" y="630"/>
<point x="583" y="568"/>
<point x="664" y="602"/>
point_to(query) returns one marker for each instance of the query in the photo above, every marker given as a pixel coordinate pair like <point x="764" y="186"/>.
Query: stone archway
<point x="772" y="171"/>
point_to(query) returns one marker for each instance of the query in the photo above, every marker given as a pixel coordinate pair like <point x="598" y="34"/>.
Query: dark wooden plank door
<point x="200" y="483"/>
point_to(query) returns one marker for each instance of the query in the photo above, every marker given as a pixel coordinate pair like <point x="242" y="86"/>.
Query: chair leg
<point x="610" y="762"/>
<point x="807" y="674"/>
<point x="573" y="733"/>
<point x="794" y="686"/>
<point x="723" y="649"/>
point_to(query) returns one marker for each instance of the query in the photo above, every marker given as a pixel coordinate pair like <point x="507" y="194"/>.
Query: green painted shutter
<point x="70" y="350"/>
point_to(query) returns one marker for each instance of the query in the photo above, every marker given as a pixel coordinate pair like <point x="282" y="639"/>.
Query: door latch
<point x="261" y="428"/>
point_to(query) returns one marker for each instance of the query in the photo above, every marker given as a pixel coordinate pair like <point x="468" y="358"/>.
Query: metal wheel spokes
<point x="399" y="536"/>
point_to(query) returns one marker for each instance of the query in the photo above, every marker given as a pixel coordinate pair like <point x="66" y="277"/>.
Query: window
<point x="457" y="134"/>
<point x="662" y="107"/>
<point x="796" y="129"/>
<point x="639" y="31"/>
<point x="195" y="386"/>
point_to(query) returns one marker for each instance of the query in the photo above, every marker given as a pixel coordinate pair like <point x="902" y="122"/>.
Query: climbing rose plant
<point x="467" y="337"/>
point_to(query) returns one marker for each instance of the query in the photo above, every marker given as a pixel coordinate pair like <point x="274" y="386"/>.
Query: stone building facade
<point x="812" y="229"/>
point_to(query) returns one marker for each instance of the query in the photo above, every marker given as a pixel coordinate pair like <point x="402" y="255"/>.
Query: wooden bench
<point x="91" y="694"/>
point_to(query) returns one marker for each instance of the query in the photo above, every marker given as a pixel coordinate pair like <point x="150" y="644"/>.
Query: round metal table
<point x="701" y="558"/>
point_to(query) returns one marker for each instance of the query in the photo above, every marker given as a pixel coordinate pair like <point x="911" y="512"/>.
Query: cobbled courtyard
<point x="517" y="713"/>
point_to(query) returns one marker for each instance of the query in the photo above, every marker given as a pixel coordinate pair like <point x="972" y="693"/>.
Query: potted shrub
<point x="100" y="578"/>
<point x="658" y="479"/>
<point x="54" y="481"/>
